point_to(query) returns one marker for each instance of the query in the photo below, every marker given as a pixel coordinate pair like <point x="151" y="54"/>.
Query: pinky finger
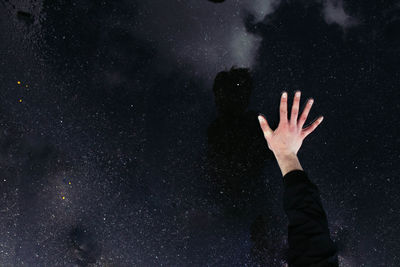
<point x="312" y="127"/>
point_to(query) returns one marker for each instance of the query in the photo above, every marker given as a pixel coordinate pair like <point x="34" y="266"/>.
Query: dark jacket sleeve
<point x="308" y="234"/>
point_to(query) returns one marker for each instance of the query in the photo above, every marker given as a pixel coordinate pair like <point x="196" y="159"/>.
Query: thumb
<point x="264" y="126"/>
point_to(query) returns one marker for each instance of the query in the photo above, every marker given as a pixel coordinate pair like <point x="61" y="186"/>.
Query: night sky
<point x="114" y="150"/>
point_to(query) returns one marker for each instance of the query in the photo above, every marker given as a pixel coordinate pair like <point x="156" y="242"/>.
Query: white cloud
<point x="260" y="8"/>
<point x="244" y="46"/>
<point x="334" y="13"/>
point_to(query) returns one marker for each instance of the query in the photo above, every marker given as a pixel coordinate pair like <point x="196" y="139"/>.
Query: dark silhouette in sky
<point x="236" y="147"/>
<point x="237" y="154"/>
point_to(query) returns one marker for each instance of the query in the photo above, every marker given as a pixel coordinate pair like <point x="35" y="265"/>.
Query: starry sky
<point x="108" y="116"/>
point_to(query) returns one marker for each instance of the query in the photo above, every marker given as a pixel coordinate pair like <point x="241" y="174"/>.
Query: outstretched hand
<point x="288" y="137"/>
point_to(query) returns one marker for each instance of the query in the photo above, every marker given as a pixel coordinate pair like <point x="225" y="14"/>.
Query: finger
<point x="295" y="109"/>
<point x="305" y="113"/>
<point x="283" y="108"/>
<point x="265" y="127"/>
<point x="312" y="127"/>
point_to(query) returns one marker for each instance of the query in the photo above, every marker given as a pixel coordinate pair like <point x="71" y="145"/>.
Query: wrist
<point x="288" y="162"/>
<point x="285" y="156"/>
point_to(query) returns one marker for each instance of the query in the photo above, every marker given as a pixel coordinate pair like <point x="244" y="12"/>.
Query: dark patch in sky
<point x="25" y="17"/>
<point x="236" y="154"/>
<point x="86" y="249"/>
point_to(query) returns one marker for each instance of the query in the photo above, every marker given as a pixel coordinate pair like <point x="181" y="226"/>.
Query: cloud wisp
<point x="334" y="12"/>
<point x="205" y="35"/>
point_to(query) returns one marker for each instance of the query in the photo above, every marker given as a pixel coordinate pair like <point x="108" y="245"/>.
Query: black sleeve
<point x="308" y="234"/>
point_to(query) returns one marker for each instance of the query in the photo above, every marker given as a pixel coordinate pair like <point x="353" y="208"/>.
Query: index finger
<point x="283" y="108"/>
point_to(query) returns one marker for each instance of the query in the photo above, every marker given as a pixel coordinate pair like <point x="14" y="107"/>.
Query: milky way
<point x="107" y="116"/>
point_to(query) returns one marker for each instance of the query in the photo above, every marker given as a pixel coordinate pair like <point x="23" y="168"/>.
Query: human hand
<point x="287" y="139"/>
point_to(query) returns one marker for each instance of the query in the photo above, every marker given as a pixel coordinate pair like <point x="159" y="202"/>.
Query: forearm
<point x="288" y="163"/>
<point x="308" y="233"/>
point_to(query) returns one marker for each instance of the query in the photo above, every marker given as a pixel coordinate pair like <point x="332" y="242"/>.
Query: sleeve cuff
<point x="295" y="177"/>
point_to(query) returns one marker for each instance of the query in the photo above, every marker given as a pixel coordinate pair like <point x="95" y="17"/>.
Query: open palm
<point x="289" y="135"/>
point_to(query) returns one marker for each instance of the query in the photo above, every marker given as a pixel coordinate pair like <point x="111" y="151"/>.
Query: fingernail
<point x="297" y="93"/>
<point x="320" y="119"/>
<point x="284" y="95"/>
<point x="260" y="119"/>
